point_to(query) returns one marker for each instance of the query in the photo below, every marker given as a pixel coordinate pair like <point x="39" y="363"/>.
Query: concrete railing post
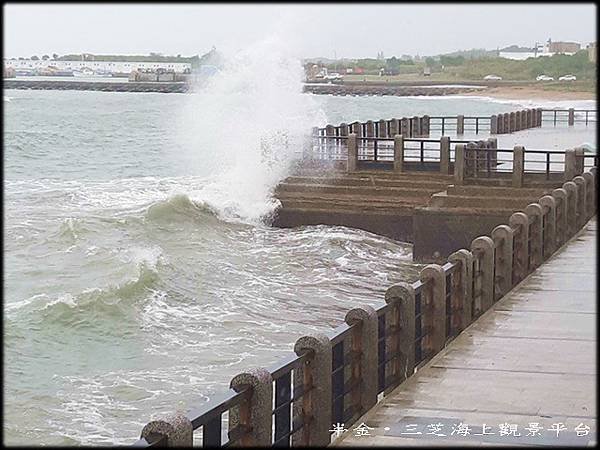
<point x="581" y="204"/>
<point x="590" y="198"/>
<point x="561" y="229"/>
<point x="398" y="153"/>
<point x="493" y="153"/>
<point x="369" y="129"/>
<point x="539" y="117"/>
<point x="176" y="428"/>
<point x="394" y="127"/>
<point x="512" y="122"/>
<point x="500" y="126"/>
<point x="523" y="119"/>
<point x="460" y="124"/>
<point x="459" y="164"/>
<point x="357" y="129"/>
<point x="401" y="297"/>
<point x="415" y="127"/>
<point x="382" y="128"/>
<point x="519" y="223"/>
<point x="483" y="249"/>
<point x="434" y="295"/>
<point x="425" y="125"/>
<point x="494" y="124"/>
<point x="518" y="121"/>
<point x="535" y="212"/>
<point x="571" y="189"/>
<point x="316" y="373"/>
<point x="579" y="160"/>
<point x="502" y="236"/>
<point x="364" y="342"/>
<point x="405" y="127"/>
<point x="518" y="169"/>
<point x="462" y="297"/>
<point x="352" y="162"/>
<point x="445" y="155"/>
<point x="534" y="119"/>
<point x="571" y="117"/>
<point x="257" y="413"/>
<point x="548" y="204"/>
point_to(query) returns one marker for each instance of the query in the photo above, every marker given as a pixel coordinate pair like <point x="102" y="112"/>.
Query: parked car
<point x="492" y="77"/>
<point x="568" y="78"/>
<point x="544" y="78"/>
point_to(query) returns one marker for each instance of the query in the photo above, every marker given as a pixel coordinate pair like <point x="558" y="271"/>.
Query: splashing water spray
<point x="245" y="125"/>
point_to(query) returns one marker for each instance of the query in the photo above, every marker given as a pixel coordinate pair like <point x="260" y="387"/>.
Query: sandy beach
<point x="533" y="93"/>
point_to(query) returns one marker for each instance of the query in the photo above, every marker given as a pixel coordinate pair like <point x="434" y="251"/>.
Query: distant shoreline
<point x="532" y="93"/>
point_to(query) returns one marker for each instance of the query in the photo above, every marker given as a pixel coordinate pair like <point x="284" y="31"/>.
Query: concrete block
<point x="518" y="166"/>
<point x="445" y="155"/>
<point x="535" y="212"/>
<point x="582" y="213"/>
<point x="561" y="227"/>
<point x="398" y="153"/>
<point x="572" y="201"/>
<point x="352" y="161"/>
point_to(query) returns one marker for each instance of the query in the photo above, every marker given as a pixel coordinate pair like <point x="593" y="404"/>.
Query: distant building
<point x="591" y="48"/>
<point x="105" y="66"/>
<point x="567" y="48"/>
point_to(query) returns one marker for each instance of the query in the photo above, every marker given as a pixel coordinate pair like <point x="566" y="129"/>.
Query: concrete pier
<point x="530" y="359"/>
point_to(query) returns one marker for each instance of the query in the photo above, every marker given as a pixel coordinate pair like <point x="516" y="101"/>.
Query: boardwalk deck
<point x="529" y="359"/>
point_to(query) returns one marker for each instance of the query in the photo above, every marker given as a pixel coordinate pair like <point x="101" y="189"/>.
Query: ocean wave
<point x="92" y="304"/>
<point x="179" y="205"/>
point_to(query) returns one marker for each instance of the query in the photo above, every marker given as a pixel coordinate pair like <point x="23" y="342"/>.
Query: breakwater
<point x="104" y="86"/>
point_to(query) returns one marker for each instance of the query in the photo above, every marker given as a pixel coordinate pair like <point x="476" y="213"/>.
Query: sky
<point x="310" y="30"/>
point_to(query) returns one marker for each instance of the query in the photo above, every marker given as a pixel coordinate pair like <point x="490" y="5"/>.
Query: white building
<point x="108" y="66"/>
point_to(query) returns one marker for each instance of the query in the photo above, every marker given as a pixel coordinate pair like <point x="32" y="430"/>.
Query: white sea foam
<point x="245" y="126"/>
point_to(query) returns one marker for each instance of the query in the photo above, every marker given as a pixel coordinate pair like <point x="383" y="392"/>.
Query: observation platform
<point x="531" y="358"/>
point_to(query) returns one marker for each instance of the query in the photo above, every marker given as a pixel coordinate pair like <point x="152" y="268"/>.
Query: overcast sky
<point x="351" y="30"/>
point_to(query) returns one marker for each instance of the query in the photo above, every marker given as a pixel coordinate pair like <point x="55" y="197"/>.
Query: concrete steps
<point x="366" y="190"/>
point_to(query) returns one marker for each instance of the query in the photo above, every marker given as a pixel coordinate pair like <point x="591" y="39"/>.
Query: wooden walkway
<point x="530" y="359"/>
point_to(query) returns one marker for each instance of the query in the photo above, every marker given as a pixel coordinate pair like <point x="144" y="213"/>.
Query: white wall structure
<point x="108" y="66"/>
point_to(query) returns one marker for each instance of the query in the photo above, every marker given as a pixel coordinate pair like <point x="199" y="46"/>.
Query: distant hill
<point x="517" y="49"/>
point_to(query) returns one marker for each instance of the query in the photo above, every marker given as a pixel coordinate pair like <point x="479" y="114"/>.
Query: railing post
<point x="535" y="211"/>
<point x="369" y="128"/>
<point x="534" y="112"/>
<point x="176" y="428"/>
<point x="512" y="122"/>
<point x="571" y="189"/>
<point x="518" y="121"/>
<point x="398" y="153"/>
<point x="382" y="127"/>
<point x="364" y="342"/>
<point x="357" y="129"/>
<point x="548" y="204"/>
<point x="405" y="127"/>
<point x="459" y="164"/>
<point x="394" y="127"/>
<point x="462" y="300"/>
<point x="520" y="250"/>
<point x="401" y="296"/>
<point x="570" y="164"/>
<point x="415" y="126"/>
<point x="433" y="273"/>
<point x="590" y="200"/>
<point x="460" y="124"/>
<point x="502" y="236"/>
<point x="500" y="124"/>
<point x="485" y="246"/>
<point x="539" y="117"/>
<point x="579" y="160"/>
<point x="257" y="413"/>
<point x="493" y="153"/>
<point x="494" y="124"/>
<point x="425" y="125"/>
<point x="561" y="229"/>
<point x="314" y="380"/>
<point x="523" y="119"/>
<point x="518" y="166"/>
<point x="352" y="162"/>
<point x="581" y="204"/>
<point x="445" y="155"/>
<point x="571" y="117"/>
